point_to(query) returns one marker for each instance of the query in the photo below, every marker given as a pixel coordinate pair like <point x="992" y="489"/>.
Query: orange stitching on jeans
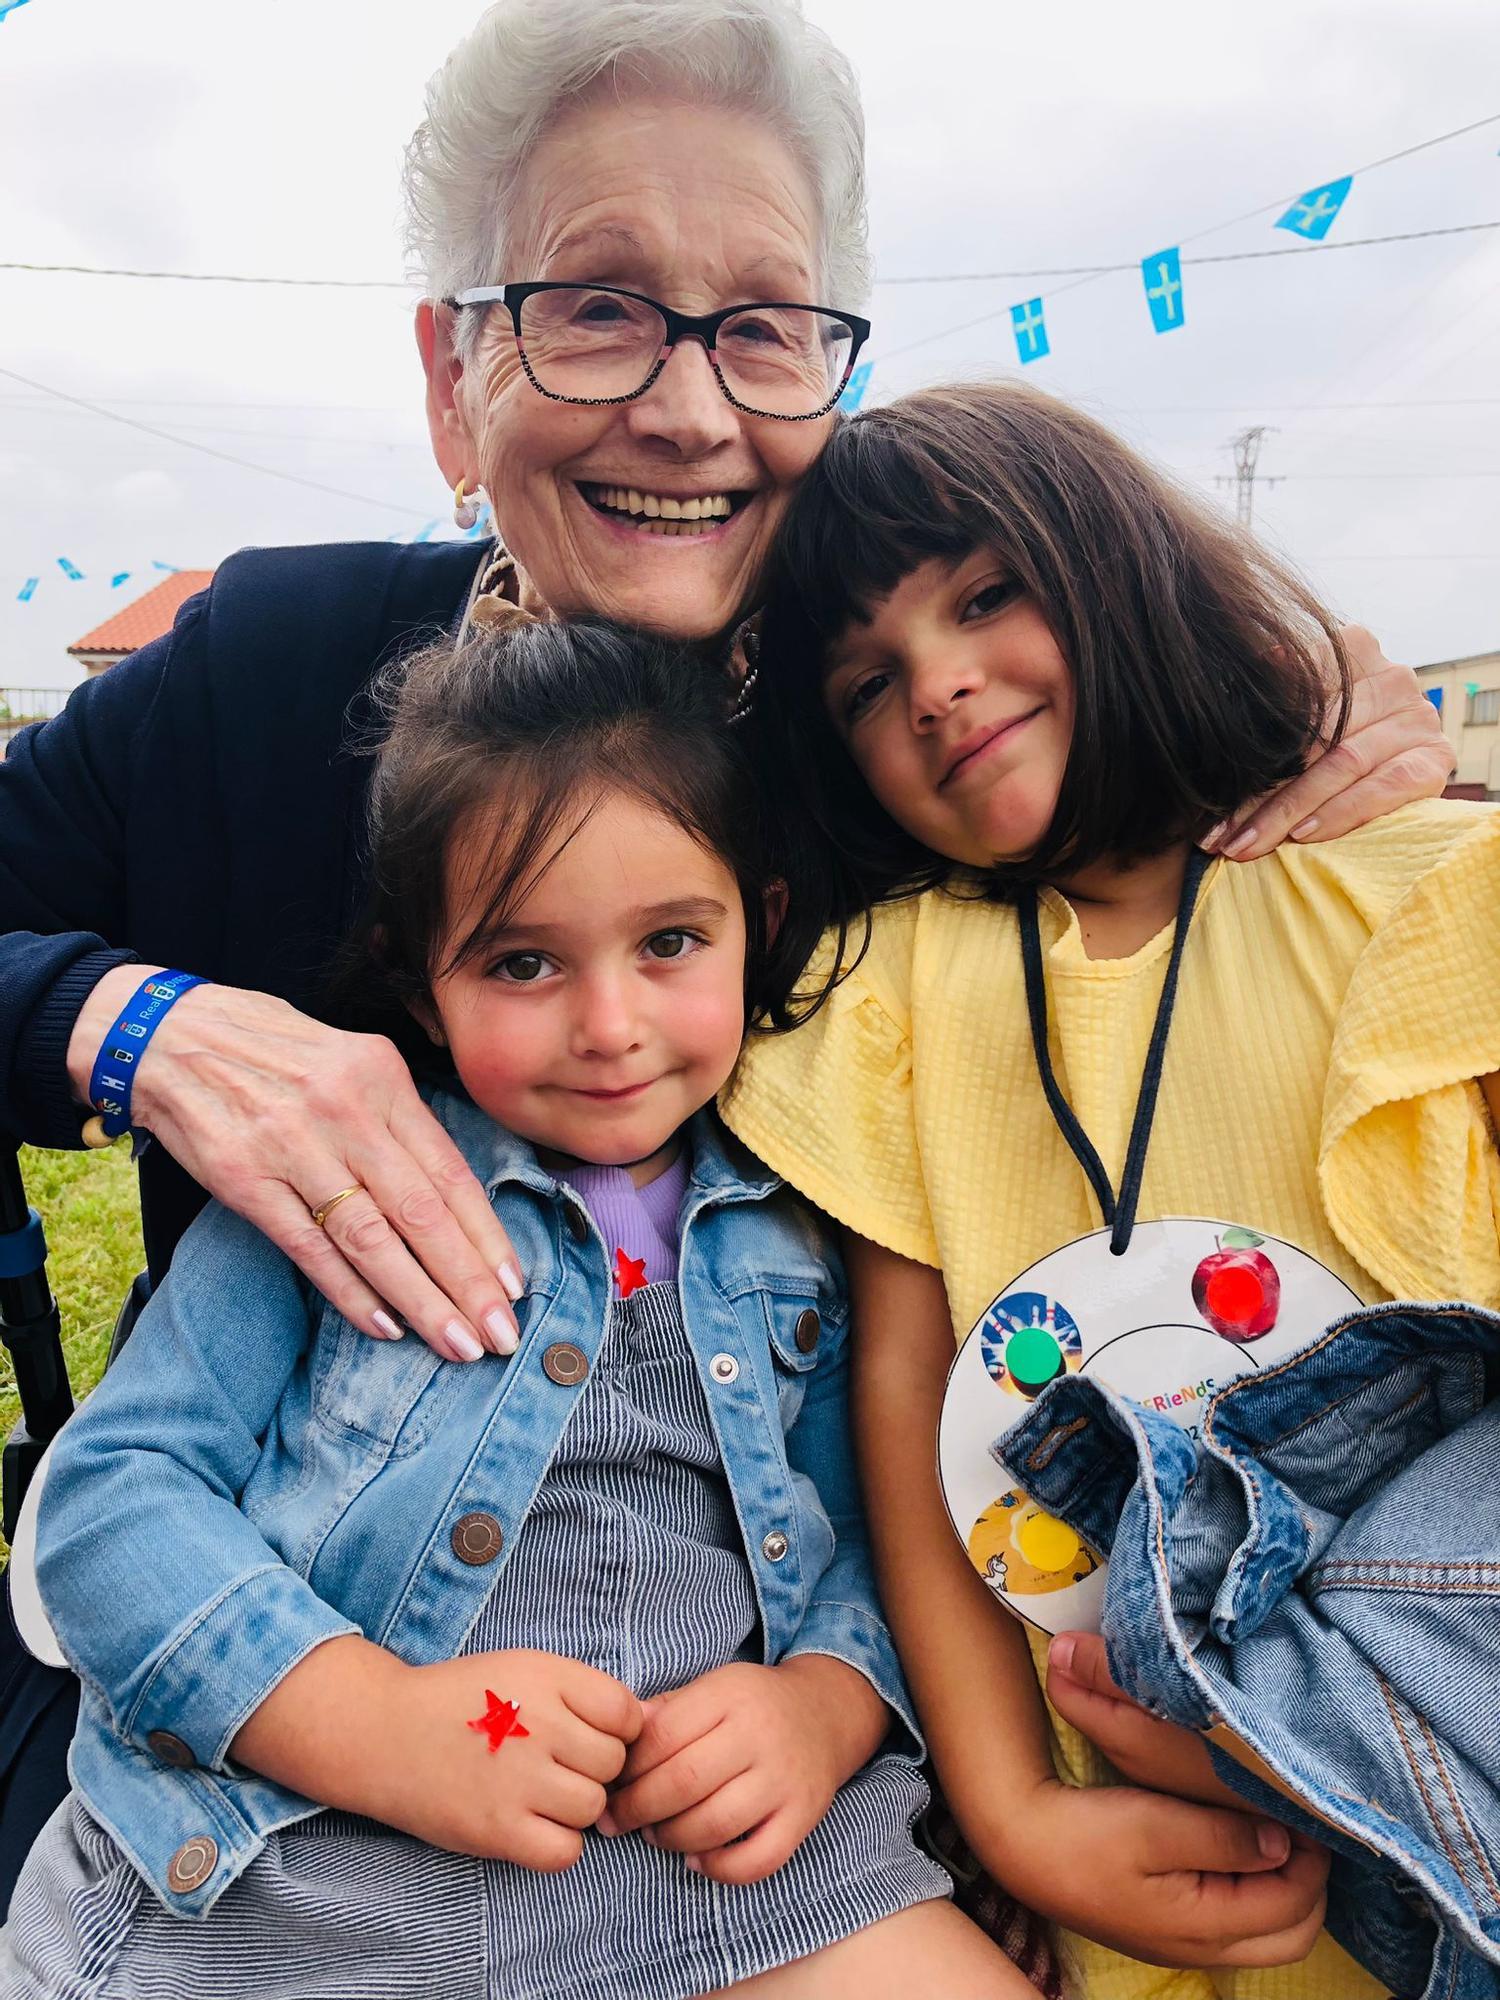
<point x="1053" y="1443"/>
<point x="1427" y="1798"/>
<point x="1458" y="1812"/>
<point x="1410" y="1563"/>
<point x="1325" y="1587"/>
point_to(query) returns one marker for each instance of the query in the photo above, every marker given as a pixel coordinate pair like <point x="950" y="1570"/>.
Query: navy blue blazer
<point x="200" y="805"/>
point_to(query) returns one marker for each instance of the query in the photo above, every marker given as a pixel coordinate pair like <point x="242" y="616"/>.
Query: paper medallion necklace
<point x="1165" y="1312"/>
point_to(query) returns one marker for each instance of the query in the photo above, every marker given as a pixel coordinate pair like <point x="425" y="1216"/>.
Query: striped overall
<point x="631" y="1560"/>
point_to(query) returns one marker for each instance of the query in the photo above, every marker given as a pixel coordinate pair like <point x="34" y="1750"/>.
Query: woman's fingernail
<point x="648" y="1834"/>
<point x="607" y="1824"/>
<point x="1274" y="1842"/>
<point x="463" y="1343"/>
<point x="501" y="1327"/>
<point x="385" y="1326"/>
<point x="694" y="1863"/>
<point x="1214" y="835"/>
<point x="1246" y="837"/>
<point x="1306" y="831"/>
<point x="510" y="1278"/>
<point x="1060" y="1652"/>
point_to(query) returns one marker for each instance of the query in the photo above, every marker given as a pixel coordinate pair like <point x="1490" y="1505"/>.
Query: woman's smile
<point x="641" y="513"/>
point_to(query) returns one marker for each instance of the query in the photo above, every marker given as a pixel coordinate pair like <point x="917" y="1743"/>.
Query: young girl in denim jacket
<point x="1009" y="665"/>
<point x="576" y="1647"/>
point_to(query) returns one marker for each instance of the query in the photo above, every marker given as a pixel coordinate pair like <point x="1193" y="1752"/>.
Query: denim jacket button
<point x="477" y="1539"/>
<point x="724" y="1368"/>
<point x="170" y="1750"/>
<point x="192" y="1864"/>
<point x="809" y="1326"/>
<point x="565" y="1364"/>
<point x="578" y="1225"/>
<point x="775" y="1546"/>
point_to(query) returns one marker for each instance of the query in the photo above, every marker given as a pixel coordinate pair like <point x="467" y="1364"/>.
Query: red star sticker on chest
<point x="630" y="1273"/>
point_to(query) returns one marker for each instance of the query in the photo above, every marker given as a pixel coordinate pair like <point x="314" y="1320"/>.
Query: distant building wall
<point x="1468" y="699"/>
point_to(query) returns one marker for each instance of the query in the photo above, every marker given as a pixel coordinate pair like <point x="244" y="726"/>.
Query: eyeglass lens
<point x="782" y="361"/>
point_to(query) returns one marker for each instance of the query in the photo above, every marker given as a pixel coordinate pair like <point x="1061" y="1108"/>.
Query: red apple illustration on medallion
<point x="1236" y="1287"/>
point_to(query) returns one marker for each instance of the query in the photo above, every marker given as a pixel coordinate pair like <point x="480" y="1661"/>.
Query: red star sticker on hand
<point x="500" y="1719"/>
<point x="630" y="1273"/>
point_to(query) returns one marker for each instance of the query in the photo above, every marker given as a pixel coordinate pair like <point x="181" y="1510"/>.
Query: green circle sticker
<point x="1034" y="1358"/>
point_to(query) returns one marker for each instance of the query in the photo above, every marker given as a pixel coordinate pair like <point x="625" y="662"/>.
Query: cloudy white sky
<point x="266" y="138"/>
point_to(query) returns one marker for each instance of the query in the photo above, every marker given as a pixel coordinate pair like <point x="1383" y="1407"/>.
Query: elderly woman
<point x="642" y="229"/>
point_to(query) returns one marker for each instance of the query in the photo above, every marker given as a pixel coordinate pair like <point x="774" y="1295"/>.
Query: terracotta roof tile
<point x="147" y="618"/>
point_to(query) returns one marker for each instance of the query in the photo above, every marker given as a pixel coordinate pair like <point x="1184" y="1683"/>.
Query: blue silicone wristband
<point x="122" y="1048"/>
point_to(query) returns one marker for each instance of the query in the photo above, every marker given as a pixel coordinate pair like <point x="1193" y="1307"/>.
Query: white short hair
<point x="526" y="60"/>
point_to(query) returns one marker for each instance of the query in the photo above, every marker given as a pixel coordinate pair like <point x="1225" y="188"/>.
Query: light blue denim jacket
<point x="1317" y="1581"/>
<point x="255" y="1476"/>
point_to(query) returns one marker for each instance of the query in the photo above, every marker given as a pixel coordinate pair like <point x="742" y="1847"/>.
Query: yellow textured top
<point x="1335" y="1004"/>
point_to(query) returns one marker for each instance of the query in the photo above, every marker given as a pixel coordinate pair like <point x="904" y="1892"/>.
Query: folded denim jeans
<point x="1315" y="1584"/>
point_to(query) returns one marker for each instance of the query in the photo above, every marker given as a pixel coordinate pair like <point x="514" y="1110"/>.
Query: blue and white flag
<point x="70" y="570"/>
<point x="120" y="576"/>
<point x="855" y="387"/>
<point x="425" y="534"/>
<point x="1030" y="328"/>
<point x="1313" y="214"/>
<point x="28" y="590"/>
<point x="1162" y="276"/>
<point x="171" y="568"/>
<point x="9" y="7"/>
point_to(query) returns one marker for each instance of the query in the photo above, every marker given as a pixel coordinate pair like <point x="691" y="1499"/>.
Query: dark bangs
<point x="1203" y="670"/>
<point x="508" y="744"/>
<point x="872" y="509"/>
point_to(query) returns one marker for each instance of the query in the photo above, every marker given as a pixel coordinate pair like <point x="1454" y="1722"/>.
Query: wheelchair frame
<point x="31" y="1327"/>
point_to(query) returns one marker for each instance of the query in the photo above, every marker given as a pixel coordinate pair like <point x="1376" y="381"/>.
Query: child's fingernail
<point x="501" y="1327"/>
<point x="606" y="1823"/>
<point x="1060" y="1652"/>
<point x="1274" y="1842"/>
<point x="648" y="1834"/>
<point x="1306" y="831"/>
<point x="694" y="1863"/>
<point x="510" y="1278"/>
<point x="385" y="1326"/>
<point x="463" y="1343"/>
<point x="1246" y="837"/>
<point x="1214" y="835"/>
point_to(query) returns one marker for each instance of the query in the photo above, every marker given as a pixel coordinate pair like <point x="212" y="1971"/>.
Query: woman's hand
<point x="1392" y="752"/>
<point x="355" y="1728"/>
<point x="736" y="1769"/>
<point x="274" y="1113"/>
<point x="1162" y="1756"/>
<point x="1162" y="1880"/>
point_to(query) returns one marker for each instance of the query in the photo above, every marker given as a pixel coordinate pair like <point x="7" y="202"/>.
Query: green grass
<point x="88" y="1204"/>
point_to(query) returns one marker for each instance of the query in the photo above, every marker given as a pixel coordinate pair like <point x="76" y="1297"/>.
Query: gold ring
<point x="320" y="1215"/>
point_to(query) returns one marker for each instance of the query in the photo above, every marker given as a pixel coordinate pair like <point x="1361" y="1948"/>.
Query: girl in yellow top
<point x="1005" y="662"/>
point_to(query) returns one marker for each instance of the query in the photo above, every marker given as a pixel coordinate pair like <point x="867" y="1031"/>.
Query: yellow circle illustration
<point x="1025" y="1552"/>
<point x="1047" y="1543"/>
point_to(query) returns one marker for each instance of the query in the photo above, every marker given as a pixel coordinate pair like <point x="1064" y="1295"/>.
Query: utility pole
<point x="1246" y="448"/>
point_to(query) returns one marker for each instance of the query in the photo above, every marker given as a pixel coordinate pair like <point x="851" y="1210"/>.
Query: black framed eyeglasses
<point x="599" y="344"/>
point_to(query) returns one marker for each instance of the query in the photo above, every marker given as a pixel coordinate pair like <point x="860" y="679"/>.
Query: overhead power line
<point x="211" y="277"/>
<point x="208" y="450"/>
<point x="926" y="278"/>
<point x="1223" y="257"/>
